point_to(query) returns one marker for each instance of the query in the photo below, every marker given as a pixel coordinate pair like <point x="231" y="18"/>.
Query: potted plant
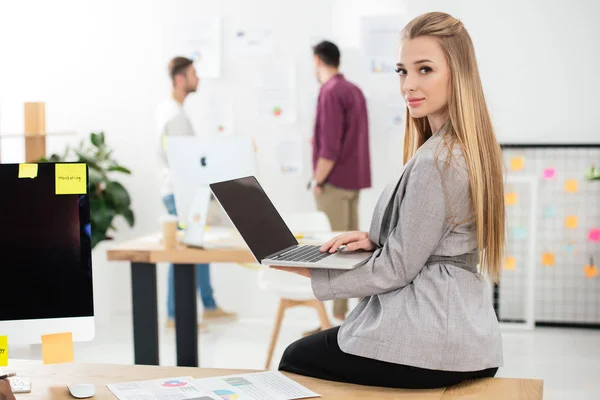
<point x="108" y="198"/>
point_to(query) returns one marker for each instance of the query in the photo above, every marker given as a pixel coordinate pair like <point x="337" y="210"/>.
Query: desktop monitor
<point x="196" y="162"/>
<point x="45" y="253"/>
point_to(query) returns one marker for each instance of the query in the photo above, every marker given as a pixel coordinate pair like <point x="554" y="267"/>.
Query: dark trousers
<point x="319" y="356"/>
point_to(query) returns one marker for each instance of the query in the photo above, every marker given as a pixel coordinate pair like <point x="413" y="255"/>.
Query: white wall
<point x="100" y="66"/>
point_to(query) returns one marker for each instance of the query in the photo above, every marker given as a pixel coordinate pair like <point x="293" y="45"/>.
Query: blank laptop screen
<point x="254" y="216"/>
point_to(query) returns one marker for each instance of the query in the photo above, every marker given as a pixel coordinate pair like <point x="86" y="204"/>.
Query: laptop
<point x="266" y="234"/>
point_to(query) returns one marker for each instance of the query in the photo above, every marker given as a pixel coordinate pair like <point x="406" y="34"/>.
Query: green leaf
<point x="118" y="168"/>
<point x="97" y="237"/>
<point x="101" y="138"/>
<point x="94" y="139"/>
<point x="117" y="195"/>
<point x="129" y="217"/>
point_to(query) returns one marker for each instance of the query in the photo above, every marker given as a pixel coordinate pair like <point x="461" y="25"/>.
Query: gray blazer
<point x="425" y="304"/>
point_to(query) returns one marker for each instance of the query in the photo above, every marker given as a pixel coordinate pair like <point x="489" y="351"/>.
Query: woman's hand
<point x="353" y="240"/>
<point x="296" y="270"/>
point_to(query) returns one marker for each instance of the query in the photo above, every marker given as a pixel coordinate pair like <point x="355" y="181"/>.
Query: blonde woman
<point x="426" y="319"/>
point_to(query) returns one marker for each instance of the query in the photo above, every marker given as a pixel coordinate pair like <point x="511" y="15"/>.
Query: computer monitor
<point x="45" y="254"/>
<point x="194" y="163"/>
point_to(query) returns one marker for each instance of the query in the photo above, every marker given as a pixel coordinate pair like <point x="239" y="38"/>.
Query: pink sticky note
<point x="549" y="173"/>
<point x="594" y="235"/>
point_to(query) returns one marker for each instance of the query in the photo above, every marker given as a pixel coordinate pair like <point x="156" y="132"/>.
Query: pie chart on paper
<point x="227" y="394"/>
<point x="174" y="383"/>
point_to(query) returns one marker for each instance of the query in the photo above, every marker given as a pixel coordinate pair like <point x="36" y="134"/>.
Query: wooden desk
<point x="222" y="245"/>
<point x="50" y="382"/>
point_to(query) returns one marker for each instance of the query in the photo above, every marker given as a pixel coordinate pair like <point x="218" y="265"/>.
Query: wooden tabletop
<point x="221" y="245"/>
<point x="50" y="382"/>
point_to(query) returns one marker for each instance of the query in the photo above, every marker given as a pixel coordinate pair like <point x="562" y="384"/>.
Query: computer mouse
<point x="82" y="390"/>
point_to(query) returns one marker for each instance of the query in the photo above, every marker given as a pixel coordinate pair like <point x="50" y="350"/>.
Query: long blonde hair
<point x="471" y="127"/>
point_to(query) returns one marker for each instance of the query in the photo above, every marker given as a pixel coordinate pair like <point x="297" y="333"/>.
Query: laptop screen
<point x="254" y="216"/>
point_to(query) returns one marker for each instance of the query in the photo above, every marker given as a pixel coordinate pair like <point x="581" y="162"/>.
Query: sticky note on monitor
<point x="28" y="171"/>
<point x="571" y="222"/>
<point x="510" y="198"/>
<point x="3" y="351"/>
<point x="57" y="348"/>
<point x="71" y="178"/>
<point x="571" y="186"/>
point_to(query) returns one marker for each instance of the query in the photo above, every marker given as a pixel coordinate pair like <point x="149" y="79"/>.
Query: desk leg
<point x="145" y="313"/>
<point x="186" y="317"/>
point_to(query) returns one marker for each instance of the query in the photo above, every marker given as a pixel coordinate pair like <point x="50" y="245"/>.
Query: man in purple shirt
<point x="341" y="165"/>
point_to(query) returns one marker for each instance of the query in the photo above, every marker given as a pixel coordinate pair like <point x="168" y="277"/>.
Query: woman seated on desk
<point x="426" y="319"/>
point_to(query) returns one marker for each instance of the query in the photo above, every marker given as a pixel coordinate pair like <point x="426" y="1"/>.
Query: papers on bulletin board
<point x="394" y="118"/>
<point x="254" y="386"/>
<point x="218" y="115"/>
<point x="289" y="156"/>
<point x="254" y="42"/>
<point x="198" y="38"/>
<point x="257" y="386"/>
<point x="275" y="81"/>
<point x="380" y="39"/>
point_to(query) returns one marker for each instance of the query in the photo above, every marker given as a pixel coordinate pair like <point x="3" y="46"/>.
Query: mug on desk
<point x="169" y="231"/>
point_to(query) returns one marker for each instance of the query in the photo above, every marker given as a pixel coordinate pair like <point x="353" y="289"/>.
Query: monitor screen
<point x="45" y="247"/>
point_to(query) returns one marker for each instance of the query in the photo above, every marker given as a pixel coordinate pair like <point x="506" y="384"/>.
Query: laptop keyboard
<point x="304" y="253"/>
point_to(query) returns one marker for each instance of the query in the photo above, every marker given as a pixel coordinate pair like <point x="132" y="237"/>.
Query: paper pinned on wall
<point x="510" y="198"/>
<point x="517" y="163"/>
<point x="198" y="38"/>
<point x="571" y="186"/>
<point x="380" y="39"/>
<point x="510" y="263"/>
<point x="548" y="259"/>
<point x="570" y="248"/>
<point x="590" y="271"/>
<point x="289" y="156"/>
<point x="594" y="235"/>
<point x="394" y="117"/>
<point x="3" y="351"/>
<point x="519" y="233"/>
<point x="275" y="81"/>
<point x="571" y="222"/>
<point x="549" y="173"/>
<point x="253" y="42"/>
<point x="550" y="211"/>
<point x="218" y="115"/>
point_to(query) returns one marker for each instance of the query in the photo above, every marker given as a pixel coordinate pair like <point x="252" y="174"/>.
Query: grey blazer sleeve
<point x="422" y="224"/>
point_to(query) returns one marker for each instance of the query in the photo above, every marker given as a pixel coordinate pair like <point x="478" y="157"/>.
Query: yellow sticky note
<point x="571" y="222"/>
<point x="28" y="171"/>
<point x="3" y="351"/>
<point x="517" y="163"/>
<point x="510" y="263"/>
<point x="548" y="259"/>
<point x="571" y="186"/>
<point x="57" y="348"/>
<point x="71" y="179"/>
<point x="510" y="199"/>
